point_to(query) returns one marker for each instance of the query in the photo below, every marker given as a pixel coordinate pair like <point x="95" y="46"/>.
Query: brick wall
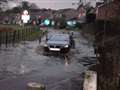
<point x="109" y="10"/>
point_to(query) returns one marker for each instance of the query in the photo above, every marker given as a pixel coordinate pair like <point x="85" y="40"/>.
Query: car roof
<point x="65" y="35"/>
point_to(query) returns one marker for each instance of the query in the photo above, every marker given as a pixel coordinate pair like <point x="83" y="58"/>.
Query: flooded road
<point x="26" y="63"/>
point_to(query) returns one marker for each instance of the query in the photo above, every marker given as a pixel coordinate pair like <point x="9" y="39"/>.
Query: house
<point x="108" y="10"/>
<point x="81" y="14"/>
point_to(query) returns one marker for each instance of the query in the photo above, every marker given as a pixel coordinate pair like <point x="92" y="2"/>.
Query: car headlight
<point x="66" y="46"/>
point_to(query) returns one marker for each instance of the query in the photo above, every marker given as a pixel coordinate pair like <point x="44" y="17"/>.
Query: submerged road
<point x="26" y="63"/>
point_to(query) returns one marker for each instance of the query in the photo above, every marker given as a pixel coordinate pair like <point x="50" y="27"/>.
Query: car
<point x="58" y="42"/>
<point x="42" y="25"/>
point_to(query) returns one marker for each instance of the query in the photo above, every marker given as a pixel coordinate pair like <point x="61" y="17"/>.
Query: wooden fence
<point x="10" y="37"/>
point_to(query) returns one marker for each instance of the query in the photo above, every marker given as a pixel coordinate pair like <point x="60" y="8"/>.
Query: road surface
<point x="26" y="63"/>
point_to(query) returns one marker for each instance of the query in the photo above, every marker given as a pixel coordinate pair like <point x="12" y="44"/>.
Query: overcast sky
<point x="60" y="4"/>
<point x="55" y="4"/>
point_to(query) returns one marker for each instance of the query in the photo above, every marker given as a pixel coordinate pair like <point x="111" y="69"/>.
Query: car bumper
<point x="54" y="49"/>
<point x="62" y="50"/>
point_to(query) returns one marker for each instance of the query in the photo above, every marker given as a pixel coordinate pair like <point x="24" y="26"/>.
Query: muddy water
<point x="27" y="63"/>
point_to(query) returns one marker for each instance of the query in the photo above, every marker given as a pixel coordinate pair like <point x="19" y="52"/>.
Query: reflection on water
<point x="66" y="63"/>
<point x="67" y="60"/>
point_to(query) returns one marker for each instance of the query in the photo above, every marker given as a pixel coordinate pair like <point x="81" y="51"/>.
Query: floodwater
<point x="26" y="63"/>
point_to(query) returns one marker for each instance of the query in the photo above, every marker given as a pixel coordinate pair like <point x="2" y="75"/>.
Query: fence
<point x="10" y="37"/>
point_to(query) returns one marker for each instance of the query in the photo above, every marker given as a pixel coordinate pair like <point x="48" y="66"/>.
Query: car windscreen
<point x="59" y="38"/>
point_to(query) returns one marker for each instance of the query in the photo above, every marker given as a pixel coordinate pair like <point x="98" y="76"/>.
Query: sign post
<point x="25" y="17"/>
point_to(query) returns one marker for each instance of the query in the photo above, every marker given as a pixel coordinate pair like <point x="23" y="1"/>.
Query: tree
<point x="17" y="9"/>
<point x="1" y="2"/>
<point x="25" y="5"/>
<point x="90" y="13"/>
